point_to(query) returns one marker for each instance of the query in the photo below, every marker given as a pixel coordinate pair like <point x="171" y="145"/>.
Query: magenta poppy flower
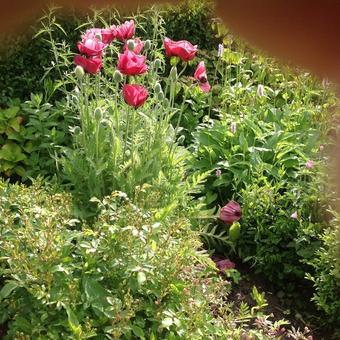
<point x="182" y="49"/>
<point x="90" y="65"/>
<point x="135" y="95"/>
<point x="107" y="35"/>
<point x="231" y="212"/>
<point x="92" y="47"/>
<point x="131" y="64"/>
<point x="309" y="164"/>
<point x="201" y="76"/>
<point x="139" y="45"/>
<point x="223" y="264"/>
<point x="125" y="31"/>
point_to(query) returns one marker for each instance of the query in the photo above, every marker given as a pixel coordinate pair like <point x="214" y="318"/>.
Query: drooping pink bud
<point x="231" y="212"/>
<point x="294" y="215"/>
<point x="309" y="164"/>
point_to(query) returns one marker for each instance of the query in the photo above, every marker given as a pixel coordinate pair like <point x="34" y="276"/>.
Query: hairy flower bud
<point x="117" y="76"/>
<point x="131" y="45"/>
<point x="158" y="63"/>
<point x="158" y="88"/>
<point x="173" y="73"/>
<point x="147" y="45"/>
<point x="160" y="96"/>
<point x="79" y="71"/>
<point x="98" y="113"/>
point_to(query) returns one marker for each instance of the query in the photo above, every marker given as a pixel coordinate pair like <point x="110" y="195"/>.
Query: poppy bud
<point x="160" y="96"/>
<point x="98" y="113"/>
<point x="79" y="71"/>
<point x="131" y="45"/>
<point x="117" y="76"/>
<point x="158" y="88"/>
<point x="231" y="212"/>
<point x="309" y="164"/>
<point x="158" y="63"/>
<point x="147" y="45"/>
<point x="173" y="73"/>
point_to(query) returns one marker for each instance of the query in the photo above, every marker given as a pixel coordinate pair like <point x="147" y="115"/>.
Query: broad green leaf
<point x="137" y="331"/>
<point x="7" y="289"/>
<point x="11" y="152"/>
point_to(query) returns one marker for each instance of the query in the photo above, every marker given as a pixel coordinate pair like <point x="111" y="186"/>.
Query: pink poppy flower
<point x="135" y="95"/>
<point x="223" y="264"/>
<point x="107" y="35"/>
<point x="231" y="212"/>
<point x="125" y="31"/>
<point x="92" y="47"/>
<point x="131" y="64"/>
<point x="90" y="65"/>
<point x="201" y="76"/>
<point x="182" y="49"/>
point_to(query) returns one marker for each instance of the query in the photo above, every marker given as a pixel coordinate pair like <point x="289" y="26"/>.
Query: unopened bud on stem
<point x="173" y="73"/>
<point x="79" y="71"/>
<point x="131" y="44"/>
<point x="117" y="76"/>
<point x="147" y="45"/>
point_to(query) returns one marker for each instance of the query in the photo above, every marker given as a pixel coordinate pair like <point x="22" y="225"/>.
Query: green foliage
<point x="277" y="244"/>
<point x="326" y="278"/>
<point x="132" y="274"/>
<point x="31" y="135"/>
<point x="266" y="127"/>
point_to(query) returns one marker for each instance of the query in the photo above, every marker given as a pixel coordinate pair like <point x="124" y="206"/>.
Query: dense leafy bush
<point x="259" y="153"/>
<point x="327" y="272"/>
<point x="132" y="274"/>
<point x="32" y="134"/>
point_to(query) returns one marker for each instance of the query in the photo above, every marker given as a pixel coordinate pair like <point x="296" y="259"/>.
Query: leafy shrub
<point x="31" y="136"/>
<point x="132" y="274"/>
<point x="278" y="245"/>
<point x="266" y="128"/>
<point x="327" y="272"/>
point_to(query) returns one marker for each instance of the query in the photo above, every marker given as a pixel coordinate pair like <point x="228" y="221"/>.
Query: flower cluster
<point x="130" y="62"/>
